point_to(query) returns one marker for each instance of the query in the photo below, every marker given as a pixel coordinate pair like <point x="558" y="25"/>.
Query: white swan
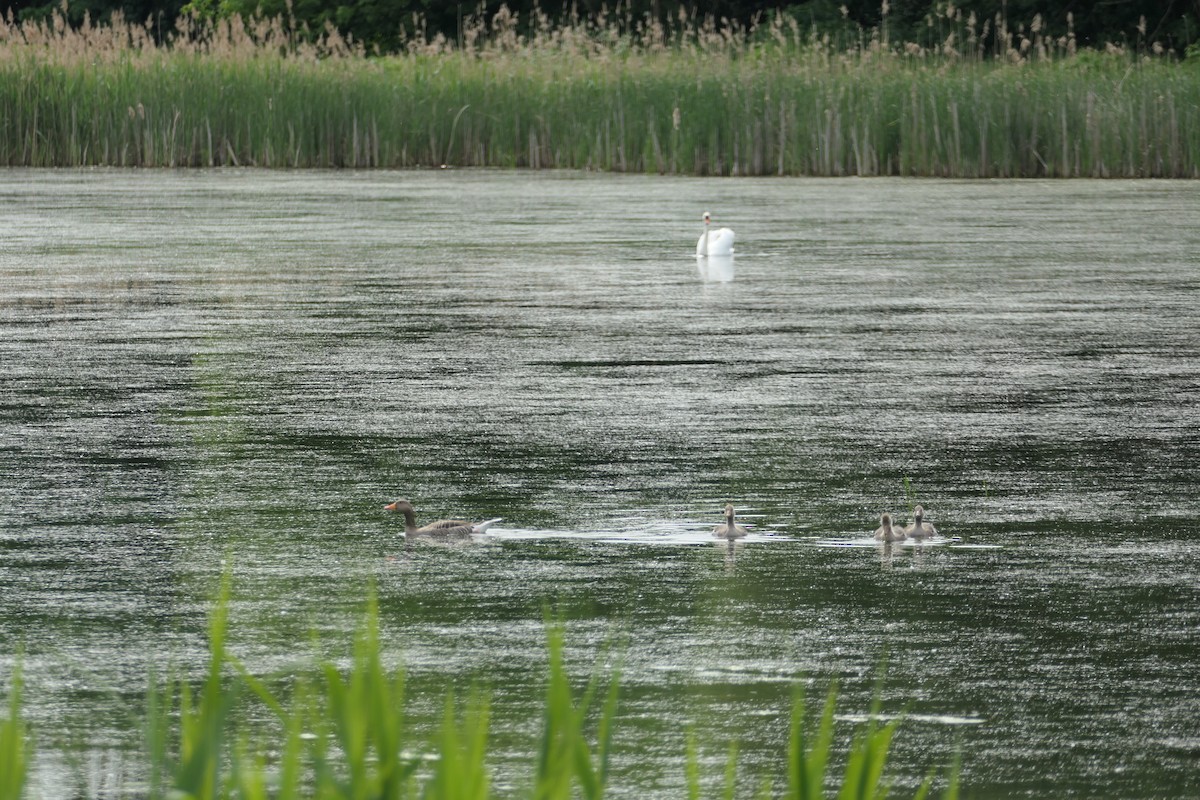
<point x="714" y="243"/>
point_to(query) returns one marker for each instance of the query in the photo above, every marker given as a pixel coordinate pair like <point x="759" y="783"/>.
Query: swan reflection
<point x="715" y="269"/>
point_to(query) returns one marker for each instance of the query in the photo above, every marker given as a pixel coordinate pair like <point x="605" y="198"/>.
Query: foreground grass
<point x="14" y="747"/>
<point x="697" y="100"/>
<point x="342" y="734"/>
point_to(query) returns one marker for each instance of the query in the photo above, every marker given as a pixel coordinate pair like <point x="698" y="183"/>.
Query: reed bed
<point x="342" y="733"/>
<point x="696" y="99"/>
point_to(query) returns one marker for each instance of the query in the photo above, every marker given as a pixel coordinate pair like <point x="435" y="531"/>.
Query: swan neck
<point x="704" y="249"/>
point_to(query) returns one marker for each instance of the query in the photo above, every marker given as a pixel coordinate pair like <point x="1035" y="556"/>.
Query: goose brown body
<point x="920" y="529"/>
<point x="887" y="532"/>
<point x="729" y="529"/>
<point x="444" y="527"/>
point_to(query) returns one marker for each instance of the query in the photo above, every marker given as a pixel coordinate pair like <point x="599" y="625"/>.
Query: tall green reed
<point x="981" y="98"/>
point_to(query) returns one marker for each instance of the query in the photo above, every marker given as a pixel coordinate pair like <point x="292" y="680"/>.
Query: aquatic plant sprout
<point x="14" y="743"/>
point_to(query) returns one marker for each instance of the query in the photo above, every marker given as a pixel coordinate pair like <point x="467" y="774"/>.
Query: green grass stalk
<point x="14" y="743"/>
<point x="566" y="758"/>
<point x="692" y="768"/>
<point x="909" y="495"/>
<point x="808" y="754"/>
<point x="730" y="791"/>
<point x="194" y="767"/>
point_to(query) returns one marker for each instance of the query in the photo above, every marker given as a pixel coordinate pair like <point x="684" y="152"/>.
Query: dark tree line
<point x="1175" y="24"/>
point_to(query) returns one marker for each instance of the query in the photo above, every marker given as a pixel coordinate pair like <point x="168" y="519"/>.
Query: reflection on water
<point x="729" y="549"/>
<point x="238" y="366"/>
<point x="715" y="269"/>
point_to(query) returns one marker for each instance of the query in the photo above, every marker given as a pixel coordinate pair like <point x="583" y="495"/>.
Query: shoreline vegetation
<point x="992" y="99"/>
<point x="340" y="731"/>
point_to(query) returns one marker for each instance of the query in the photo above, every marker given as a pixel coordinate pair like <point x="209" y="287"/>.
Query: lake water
<point x="202" y="368"/>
